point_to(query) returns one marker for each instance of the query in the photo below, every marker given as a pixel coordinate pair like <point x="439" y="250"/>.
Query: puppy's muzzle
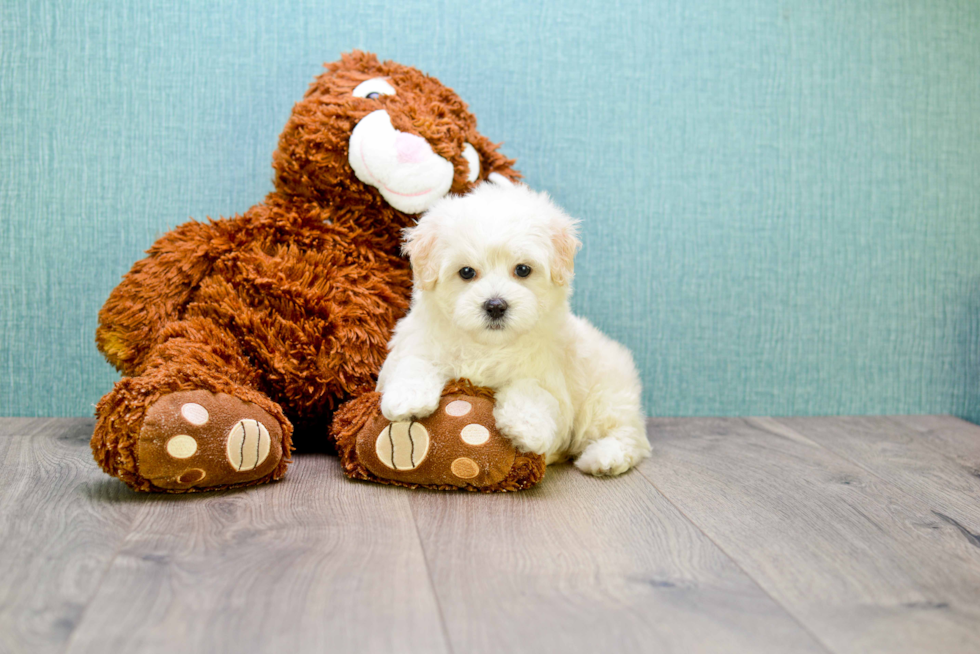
<point x="495" y="309"/>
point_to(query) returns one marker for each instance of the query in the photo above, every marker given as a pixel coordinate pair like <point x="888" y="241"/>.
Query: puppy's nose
<point x="495" y="308"/>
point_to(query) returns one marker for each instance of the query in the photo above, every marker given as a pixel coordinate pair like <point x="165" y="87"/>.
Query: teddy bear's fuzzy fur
<point x="288" y="306"/>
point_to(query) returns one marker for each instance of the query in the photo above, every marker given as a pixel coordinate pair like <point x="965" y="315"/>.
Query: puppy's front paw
<point x="406" y="401"/>
<point x="529" y="425"/>
<point x="608" y="457"/>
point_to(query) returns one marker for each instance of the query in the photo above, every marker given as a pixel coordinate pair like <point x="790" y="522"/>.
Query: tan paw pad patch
<point x="458" y="408"/>
<point x="181" y="446"/>
<point x="248" y="444"/>
<point x="475" y="434"/>
<point x="194" y="413"/>
<point x="192" y="476"/>
<point x="402" y="445"/>
<point x="465" y="468"/>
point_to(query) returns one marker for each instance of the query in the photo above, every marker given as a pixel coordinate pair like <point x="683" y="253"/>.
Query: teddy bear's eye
<point x="467" y="273"/>
<point x="373" y="88"/>
<point x="522" y="270"/>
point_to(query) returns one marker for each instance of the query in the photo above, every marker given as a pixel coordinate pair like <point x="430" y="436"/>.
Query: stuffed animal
<point x="232" y="333"/>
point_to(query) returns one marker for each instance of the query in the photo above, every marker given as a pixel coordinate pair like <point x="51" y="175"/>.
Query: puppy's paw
<point x="530" y="431"/>
<point x="405" y="401"/>
<point x="527" y="416"/>
<point x="608" y="457"/>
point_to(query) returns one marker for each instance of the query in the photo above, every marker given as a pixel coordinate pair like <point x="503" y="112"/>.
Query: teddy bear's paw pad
<point x="249" y="443"/>
<point x="402" y="445"/>
<point x="198" y="439"/>
<point x="458" y="445"/>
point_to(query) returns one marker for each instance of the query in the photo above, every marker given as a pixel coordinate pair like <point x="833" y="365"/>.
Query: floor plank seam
<point x="755" y="581"/>
<point x="428" y="574"/>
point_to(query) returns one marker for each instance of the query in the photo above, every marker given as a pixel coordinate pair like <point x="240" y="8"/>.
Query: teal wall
<point x="781" y="197"/>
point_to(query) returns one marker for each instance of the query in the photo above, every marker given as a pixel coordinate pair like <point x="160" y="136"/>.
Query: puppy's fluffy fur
<point x="563" y="389"/>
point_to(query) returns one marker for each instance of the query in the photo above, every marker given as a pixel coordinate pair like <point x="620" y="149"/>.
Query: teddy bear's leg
<point x="193" y="418"/>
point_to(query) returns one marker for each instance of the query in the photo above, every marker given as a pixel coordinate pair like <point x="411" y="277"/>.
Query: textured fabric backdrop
<point x="781" y="199"/>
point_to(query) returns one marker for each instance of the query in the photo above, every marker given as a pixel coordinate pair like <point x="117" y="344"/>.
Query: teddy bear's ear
<point x="564" y="243"/>
<point x="493" y="165"/>
<point x="499" y="180"/>
<point x="419" y="246"/>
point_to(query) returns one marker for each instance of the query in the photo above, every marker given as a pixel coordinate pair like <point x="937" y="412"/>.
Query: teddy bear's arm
<point x="156" y="290"/>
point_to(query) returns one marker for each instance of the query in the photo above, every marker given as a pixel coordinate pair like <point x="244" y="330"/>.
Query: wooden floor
<point x="738" y="535"/>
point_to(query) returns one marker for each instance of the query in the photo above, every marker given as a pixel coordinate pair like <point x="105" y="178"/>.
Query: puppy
<point x="493" y="273"/>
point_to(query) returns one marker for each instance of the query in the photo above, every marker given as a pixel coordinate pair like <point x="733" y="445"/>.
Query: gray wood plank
<point x="865" y="566"/>
<point x="956" y="438"/>
<point x="901" y="455"/>
<point x="61" y="521"/>
<point x="581" y="564"/>
<point x="311" y="564"/>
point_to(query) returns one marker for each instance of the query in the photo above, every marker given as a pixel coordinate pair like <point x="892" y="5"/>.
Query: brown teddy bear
<point x="231" y="333"/>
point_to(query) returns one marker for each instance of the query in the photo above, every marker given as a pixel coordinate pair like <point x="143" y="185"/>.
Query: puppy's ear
<point x="419" y="246"/>
<point x="564" y="243"/>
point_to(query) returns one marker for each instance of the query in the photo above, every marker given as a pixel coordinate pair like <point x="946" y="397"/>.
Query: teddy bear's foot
<point x="456" y="447"/>
<point x="199" y="440"/>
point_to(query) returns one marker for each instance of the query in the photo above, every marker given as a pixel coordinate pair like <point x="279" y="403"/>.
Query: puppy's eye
<point x="467" y="273"/>
<point x="522" y="270"/>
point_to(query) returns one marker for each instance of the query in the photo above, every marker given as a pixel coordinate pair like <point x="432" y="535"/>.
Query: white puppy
<point x="493" y="272"/>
